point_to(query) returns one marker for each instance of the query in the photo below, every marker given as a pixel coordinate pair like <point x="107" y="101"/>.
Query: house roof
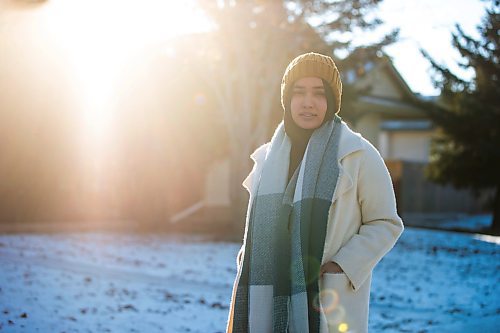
<point x="386" y="90"/>
<point x="389" y="106"/>
<point x="394" y="73"/>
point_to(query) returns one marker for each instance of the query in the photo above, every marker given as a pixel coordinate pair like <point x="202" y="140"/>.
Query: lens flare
<point x="336" y="318"/>
<point x="327" y="300"/>
<point x="200" y="99"/>
<point x="343" y="327"/>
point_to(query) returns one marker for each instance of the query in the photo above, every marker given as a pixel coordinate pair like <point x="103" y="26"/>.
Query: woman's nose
<point x="308" y="100"/>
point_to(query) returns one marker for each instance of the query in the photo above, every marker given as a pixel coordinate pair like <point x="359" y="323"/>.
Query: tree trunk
<point x="495" y="227"/>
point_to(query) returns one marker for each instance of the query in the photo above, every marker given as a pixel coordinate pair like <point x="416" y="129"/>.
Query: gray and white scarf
<point x="278" y="290"/>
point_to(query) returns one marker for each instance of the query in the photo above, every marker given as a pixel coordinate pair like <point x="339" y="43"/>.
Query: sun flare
<point x="99" y="38"/>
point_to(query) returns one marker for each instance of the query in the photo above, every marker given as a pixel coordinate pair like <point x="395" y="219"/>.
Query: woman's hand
<point x="330" y="267"/>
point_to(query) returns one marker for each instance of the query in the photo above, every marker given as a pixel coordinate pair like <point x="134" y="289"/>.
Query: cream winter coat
<point x="363" y="226"/>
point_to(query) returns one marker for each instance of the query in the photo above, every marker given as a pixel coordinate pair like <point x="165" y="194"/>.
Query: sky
<point x="423" y="24"/>
<point x="428" y="24"/>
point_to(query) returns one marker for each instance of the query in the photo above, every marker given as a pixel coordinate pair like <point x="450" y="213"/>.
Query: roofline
<point x="387" y="61"/>
<point x="390" y="106"/>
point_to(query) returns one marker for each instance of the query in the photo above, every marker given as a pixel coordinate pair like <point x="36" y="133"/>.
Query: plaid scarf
<point x="278" y="289"/>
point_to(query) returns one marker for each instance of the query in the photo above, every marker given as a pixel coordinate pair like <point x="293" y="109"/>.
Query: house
<point x="387" y="112"/>
<point x="389" y="115"/>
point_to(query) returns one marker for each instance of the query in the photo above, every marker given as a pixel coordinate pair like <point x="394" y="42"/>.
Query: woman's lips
<point x="307" y="115"/>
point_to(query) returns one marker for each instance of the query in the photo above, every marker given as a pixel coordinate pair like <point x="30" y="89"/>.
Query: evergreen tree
<point x="466" y="153"/>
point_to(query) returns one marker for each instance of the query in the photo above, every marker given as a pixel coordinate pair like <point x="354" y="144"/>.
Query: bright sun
<point x="99" y="37"/>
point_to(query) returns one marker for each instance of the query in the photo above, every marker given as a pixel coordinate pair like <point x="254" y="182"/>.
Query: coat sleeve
<point x="380" y="225"/>
<point x="247" y="184"/>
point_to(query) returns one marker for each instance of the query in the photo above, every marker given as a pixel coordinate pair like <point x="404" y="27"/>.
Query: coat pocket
<point x="343" y="309"/>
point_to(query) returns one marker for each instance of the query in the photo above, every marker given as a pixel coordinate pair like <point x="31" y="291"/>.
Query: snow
<point x="431" y="281"/>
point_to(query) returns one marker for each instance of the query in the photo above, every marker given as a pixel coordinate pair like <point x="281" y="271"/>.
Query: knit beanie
<point x="312" y="64"/>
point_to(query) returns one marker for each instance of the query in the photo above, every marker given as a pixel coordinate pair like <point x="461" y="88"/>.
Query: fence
<point x="416" y="194"/>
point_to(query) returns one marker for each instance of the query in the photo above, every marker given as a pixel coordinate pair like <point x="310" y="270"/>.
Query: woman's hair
<point x="330" y="101"/>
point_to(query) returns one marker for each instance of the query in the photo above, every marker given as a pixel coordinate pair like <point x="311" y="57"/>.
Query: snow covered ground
<point x="432" y="281"/>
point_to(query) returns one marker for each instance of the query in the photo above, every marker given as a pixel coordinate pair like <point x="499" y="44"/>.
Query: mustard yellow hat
<point x="312" y="64"/>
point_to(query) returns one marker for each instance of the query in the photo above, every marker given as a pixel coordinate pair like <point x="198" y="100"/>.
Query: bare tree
<point x="244" y="60"/>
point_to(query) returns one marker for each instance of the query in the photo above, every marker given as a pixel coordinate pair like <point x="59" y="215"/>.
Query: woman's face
<point x="308" y="103"/>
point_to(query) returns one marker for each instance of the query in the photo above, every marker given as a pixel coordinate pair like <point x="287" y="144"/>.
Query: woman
<point x="321" y="215"/>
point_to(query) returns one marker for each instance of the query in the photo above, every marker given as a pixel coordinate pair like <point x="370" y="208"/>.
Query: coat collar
<point x="259" y="153"/>
<point x="350" y="142"/>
